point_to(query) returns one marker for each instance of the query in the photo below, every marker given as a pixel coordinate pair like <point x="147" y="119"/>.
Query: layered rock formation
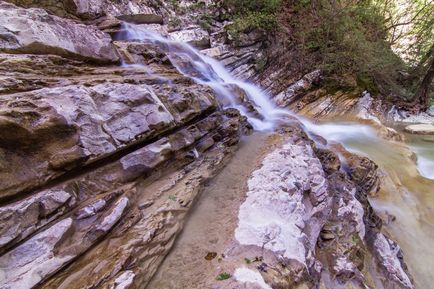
<point x="96" y="160"/>
<point x="100" y="163"/>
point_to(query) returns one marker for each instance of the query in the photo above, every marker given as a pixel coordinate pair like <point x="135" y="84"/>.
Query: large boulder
<point x="34" y="31"/>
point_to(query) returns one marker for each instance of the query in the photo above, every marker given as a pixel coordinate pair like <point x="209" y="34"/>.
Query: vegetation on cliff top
<point x="386" y="45"/>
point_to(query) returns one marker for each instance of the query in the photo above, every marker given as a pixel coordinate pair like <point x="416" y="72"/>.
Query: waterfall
<point x="208" y="71"/>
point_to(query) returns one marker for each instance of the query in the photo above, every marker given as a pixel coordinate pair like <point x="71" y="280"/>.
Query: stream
<point x="405" y="201"/>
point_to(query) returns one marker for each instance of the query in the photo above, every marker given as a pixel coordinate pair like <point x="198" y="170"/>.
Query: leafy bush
<point x="252" y="14"/>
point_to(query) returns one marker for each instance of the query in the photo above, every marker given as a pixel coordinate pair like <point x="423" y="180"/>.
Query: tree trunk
<point x="422" y="96"/>
<point x="424" y="60"/>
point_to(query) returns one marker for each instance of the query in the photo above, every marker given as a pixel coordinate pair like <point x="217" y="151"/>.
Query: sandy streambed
<point x="209" y="232"/>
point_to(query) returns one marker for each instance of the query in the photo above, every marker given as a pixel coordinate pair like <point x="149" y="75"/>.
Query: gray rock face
<point x="88" y="123"/>
<point x="131" y="11"/>
<point x="313" y="223"/>
<point x="388" y="254"/>
<point x="138" y="11"/>
<point x="21" y="219"/>
<point x="35" y="31"/>
<point x="25" y="266"/>
<point x="194" y="36"/>
<point x="275" y="213"/>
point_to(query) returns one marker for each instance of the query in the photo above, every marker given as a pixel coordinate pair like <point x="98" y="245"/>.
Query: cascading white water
<point x="206" y="70"/>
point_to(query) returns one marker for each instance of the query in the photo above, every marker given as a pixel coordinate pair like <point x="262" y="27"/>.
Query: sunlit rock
<point x="34" y="31"/>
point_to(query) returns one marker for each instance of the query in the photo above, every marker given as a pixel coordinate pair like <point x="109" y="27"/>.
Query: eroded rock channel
<point x="129" y="162"/>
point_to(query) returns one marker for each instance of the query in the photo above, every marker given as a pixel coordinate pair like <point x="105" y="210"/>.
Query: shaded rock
<point x="142" y="18"/>
<point x="143" y="236"/>
<point x="45" y="253"/>
<point x="109" y="23"/>
<point x="34" y="31"/>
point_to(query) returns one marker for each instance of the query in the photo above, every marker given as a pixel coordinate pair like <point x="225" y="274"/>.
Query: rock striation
<point x="101" y="163"/>
<point x="34" y="31"/>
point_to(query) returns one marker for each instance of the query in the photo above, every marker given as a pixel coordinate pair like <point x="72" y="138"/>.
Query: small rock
<point x="210" y="255"/>
<point x="327" y="236"/>
<point x="425" y="129"/>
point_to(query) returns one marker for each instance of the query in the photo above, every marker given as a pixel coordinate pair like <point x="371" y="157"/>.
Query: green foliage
<point x="252" y="14"/>
<point x="205" y="21"/>
<point x="348" y="38"/>
<point x="175" y="22"/>
<point x="247" y="6"/>
<point x="223" y="276"/>
<point x="253" y="20"/>
<point x="260" y="64"/>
